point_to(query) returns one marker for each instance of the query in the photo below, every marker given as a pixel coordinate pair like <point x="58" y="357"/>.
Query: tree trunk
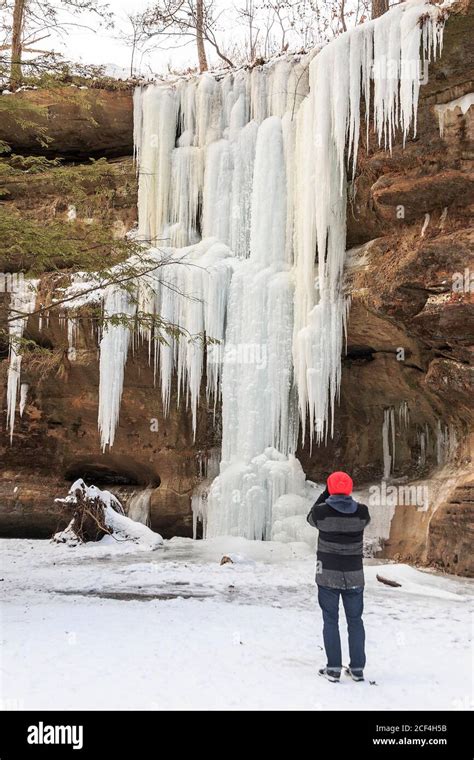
<point x="343" y="16"/>
<point x="17" y="35"/>
<point x="200" y="36"/>
<point x="379" y="7"/>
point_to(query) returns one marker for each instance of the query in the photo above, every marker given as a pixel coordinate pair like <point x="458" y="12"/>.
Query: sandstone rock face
<point x="70" y="122"/>
<point x="56" y="441"/>
<point x="451" y="533"/>
<point x="408" y="362"/>
<point x="48" y="195"/>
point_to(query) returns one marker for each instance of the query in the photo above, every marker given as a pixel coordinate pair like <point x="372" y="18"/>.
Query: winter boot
<point x="331" y="675"/>
<point x="357" y="674"/>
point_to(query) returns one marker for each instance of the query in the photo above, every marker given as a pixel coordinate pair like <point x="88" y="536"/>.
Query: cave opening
<point x="114" y="473"/>
<point x="359" y="354"/>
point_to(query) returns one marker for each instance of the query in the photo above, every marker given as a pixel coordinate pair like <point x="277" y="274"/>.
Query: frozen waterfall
<point x="242" y="190"/>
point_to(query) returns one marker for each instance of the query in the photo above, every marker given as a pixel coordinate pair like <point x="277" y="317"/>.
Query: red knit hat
<point x="340" y="483"/>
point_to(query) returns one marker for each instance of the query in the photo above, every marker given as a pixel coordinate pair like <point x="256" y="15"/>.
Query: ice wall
<point x="242" y="197"/>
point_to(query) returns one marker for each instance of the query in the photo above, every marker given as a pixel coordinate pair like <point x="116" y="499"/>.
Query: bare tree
<point x="342" y="15"/>
<point x="187" y="20"/>
<point x="134" y="37"/>
<point x="17" y="36"/>
<point x="301" y="24"/>
<point x="379" y="7"/>
<point x="200" y="36"/>
<point x="248" y="15"/>
<point x="26" y="23"/>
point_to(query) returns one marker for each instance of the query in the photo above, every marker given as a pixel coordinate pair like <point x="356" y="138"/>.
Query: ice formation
<point x="388" y="442"/>
<point x="386" y="53"/>
<point x="242" y="202"/>
<point x="446" y="442"/>
<point x="423" y="439"/>
<point x="463" y="103"/>
<point x="404" y="414"/>
<point x="139" y="506"/>
<point x="22" y="303"/>
<point x="24" y="387"/>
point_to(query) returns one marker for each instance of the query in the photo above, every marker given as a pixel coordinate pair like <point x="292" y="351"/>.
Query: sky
<point x="106" y="47"/>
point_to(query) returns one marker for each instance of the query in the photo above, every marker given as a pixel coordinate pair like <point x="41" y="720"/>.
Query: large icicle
<point x="113" y="357"/>
<point x="388" y="50"/>
<point x="188" y="288"/>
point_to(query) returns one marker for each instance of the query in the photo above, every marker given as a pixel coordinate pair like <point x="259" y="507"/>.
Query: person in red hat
<point x="341" y="522"/>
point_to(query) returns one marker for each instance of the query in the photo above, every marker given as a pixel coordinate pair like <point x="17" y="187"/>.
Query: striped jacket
<point x="340" y="545"/>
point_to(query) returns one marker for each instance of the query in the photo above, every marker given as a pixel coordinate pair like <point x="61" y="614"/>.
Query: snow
<point x="124" y="531"/>
<point x="108" y="629"/>
<point x="71" y="213"/>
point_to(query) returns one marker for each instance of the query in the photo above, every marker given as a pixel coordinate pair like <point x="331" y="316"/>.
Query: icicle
<point x="23" y="301"/>
<point x="388" y="50"/>
<point x="113" y="358"/>
<point x="422" y="442"/>
<point x="217" y="191"/>
<point x="446" y="443"/>
<point x="139" y="506"/>
<point x="388" y="442"/>
<point x="387" y="459"/>
<point x="72" y="326"/>
<point x="187" y="171"/>
<point x="159" y="114"/>
<point x="24" y="387"/>
<point x="242" y="181"/>
<point x="403" y="414"/>
<point x="392" y="425"/>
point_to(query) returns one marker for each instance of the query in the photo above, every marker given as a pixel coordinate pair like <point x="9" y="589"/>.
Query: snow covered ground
<point x="106" y="627"/>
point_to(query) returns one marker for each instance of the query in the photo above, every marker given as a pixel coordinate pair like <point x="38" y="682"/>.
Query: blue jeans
<point x="353" y="601"/>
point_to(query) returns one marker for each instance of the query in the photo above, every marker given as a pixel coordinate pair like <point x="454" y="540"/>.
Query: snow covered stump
<point x="99" y="515"/>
